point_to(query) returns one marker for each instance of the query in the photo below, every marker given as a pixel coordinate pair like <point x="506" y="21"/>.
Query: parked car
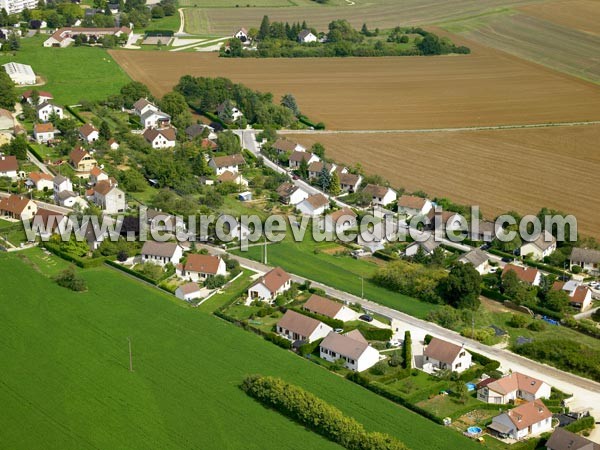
<point x="295" y="177"/>
<point x="506" y="259"/>
<point x="339" y="330"/>
<point x="366" y="318"/>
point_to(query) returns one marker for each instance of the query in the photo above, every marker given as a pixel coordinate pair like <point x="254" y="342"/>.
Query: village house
<point x="296" y="158"/>
<point x="200" y="267"/>
<point x="313" y="206"/>
<point x="511" y="387"/>
<point x="143" y="106"/>
<point x="412" y="205"/>
<point x="316" y="167"/>
<point x="290" y="194"/>
<point x="161" y="253"/>
<point x="45" y="110"/>
<point x="350" y="182"/>
<point x="62" y="183"/>
<point x="352" y="347"/>
<point x="82" y="161"/>
<point x="43" y="96"/>
<point x="543" y="245"/>
<point x="70" y="199"/>
<point x="150" y="115"/>
<point x="229" y="163"/>
<point x="562" y="439"/>
<point x="579" y="296"/>
<point x="164" y="138"/>
<point x="188" y="291"/>
<point x="286" y="146"/>
<point x="478" y="258"/>
<point x="232" y="177"/>
<point x="89" y="133"/>
<point x="235" y="113"/>
<point x="530" y="419"/>
<point x="7" y="121"/>
<point x="306" y="37"/>
<point x="587" y="259"/>
<point x="9" y="166"/>
<point x="484" y="231"/>
<point x="269" y="286"/>
<point x="17" y="207"/>
<point x="380" y="195"/>
<point x="298" y="327"/>
<point x="109" y="197"/>
<point x="340" y="221"/>
<point x="329" y="308"/>
<point x="427" y="247"/>
<point x="113" y="144"/>
<point x="97" y="174"/>
<point x="197" y="129"/>
<point x="44" y="132"/>
<point x="48" y="222"/>
<point x="63" y="37"/>
<point x="40" y="181"/>
<point x="527" y="275"/>
<point x="444" y="355"/>
<point x="242" y="35"/>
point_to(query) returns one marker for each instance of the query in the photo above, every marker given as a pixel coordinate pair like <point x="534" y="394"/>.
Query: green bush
<point x="537" y="325"/>
<point x="70" y="280"/>
<point x="375" y="334"/>
<point x="316" y="414"/>
<point x="518" y="321"/>
<point x="407" y="351"/>
<point x="586" y="423"/>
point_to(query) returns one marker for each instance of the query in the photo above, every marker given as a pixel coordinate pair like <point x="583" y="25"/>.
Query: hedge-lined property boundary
<point x="316" y="414"/>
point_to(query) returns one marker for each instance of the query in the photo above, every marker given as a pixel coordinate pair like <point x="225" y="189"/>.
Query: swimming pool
<point x="471" y="386"/>
<point x="474" y="430"/>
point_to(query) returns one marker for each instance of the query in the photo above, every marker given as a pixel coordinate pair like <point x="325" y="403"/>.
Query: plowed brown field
<point x="485" y="88"/>
<point x="520" y="169"/>
<point x="583" y="15"/>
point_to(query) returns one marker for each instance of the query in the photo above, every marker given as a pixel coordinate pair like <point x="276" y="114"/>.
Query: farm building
<point x="20" y="74"/>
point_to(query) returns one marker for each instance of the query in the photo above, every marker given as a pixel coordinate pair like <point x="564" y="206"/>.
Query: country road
<point x="586" y="392"/>
<point x="441" y="130"/>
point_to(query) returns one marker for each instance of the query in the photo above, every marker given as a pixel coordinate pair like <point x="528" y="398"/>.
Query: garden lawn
<point x="73" y="73"/>
<point x="234" y="290"/>
<point x="340" y="272"/>
<point x="68" y="384"/>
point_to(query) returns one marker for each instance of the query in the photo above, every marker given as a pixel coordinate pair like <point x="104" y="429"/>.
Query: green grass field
<point x="340" y="272"/>
<point x="66" y="382"/>
<point x="73" y="73"/>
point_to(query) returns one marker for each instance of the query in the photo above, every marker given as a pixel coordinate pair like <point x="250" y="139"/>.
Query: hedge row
<point x="132" y="272"/>
<point x="316" y="414"/>
<point x="75" y="114"/>
<point x="546" y="267"/>
<point x="35" y="153"/>
<point x="269" y="336"/>
<point x="545" y="311"/>
<point x="376" y="334"/>
<point x="386" y="257"/>
<point x="209" y="115"/>
<point x="585" y="423"/>
<point x="493" y="295"/>
<point x="306" y="121"/>
<point x="78" y="261"/>
<point x="500" y="253"/>
<point x="407" y="351"/>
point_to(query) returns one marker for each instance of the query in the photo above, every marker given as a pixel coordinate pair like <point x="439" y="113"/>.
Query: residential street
<point x="586" y="392"/>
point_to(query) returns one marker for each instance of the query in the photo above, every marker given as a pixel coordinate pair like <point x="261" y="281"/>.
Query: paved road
<point x="31" y="157"/>
<point x="586" y="392"/>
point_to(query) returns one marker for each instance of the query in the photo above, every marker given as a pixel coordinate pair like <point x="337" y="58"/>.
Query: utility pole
<point x="266" y="259"/>
<point x="362" y="287"/>
<point x="130" y="356"/>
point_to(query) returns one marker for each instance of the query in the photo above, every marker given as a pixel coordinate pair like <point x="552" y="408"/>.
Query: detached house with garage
<point x="380" y="195"/>
<point x="529" y="419"/>
<point x="329" y="308"/>
<point x="200" y="267"/>
<point x="543" y="245"/>
<point x="150" y="115"/>
<point x="511" y="387"/>
<point x="270" y="285"/>
<point x="226" y="163"/>
<point x="161" y="253"/>
<point x="298" y="327"/>
<point x="352" y="347"/>
<point x="444" y="355"/>
<point x="82" y="161"/>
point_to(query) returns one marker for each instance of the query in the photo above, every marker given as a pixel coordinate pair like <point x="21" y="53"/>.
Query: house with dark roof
<point x="427" y="246"/>
<point x="329" y="308"/>
<point x="43" y="96"/>
<point x="306" y="37"/>
<point x="511" y="387"/>
<point x="478" y="259"/>
<point x="161" y="253"/>
<point x="586" y="258"/>
<point x="269" y="286"/>
<point x="45" y="110"/>
<point x="444" y="355"/>
<point x="562" y="439"/>
<point x="298" y="327"/>
<point x="290" y="194"/>
<point x="316" y="167"/>
<point x="349" y="182"/>
<point x="529" y="419"/>
<point x="352" y="347"/>
<point x="200" y="267"/>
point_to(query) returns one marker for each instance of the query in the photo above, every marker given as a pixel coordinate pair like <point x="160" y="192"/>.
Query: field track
<point x="520" y="169"/>
<point x="488" y="87"/>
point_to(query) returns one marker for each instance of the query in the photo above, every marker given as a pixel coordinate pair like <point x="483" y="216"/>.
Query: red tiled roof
<point x="526" y="274"/>
<point x="8" y="163"/>
<point x="202" y="264"/>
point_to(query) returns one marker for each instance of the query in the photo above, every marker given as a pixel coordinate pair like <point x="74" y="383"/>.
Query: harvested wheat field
<point x="583" y="15"/>
<point x="487" y="87"/>
<point x="520" y="169"/>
